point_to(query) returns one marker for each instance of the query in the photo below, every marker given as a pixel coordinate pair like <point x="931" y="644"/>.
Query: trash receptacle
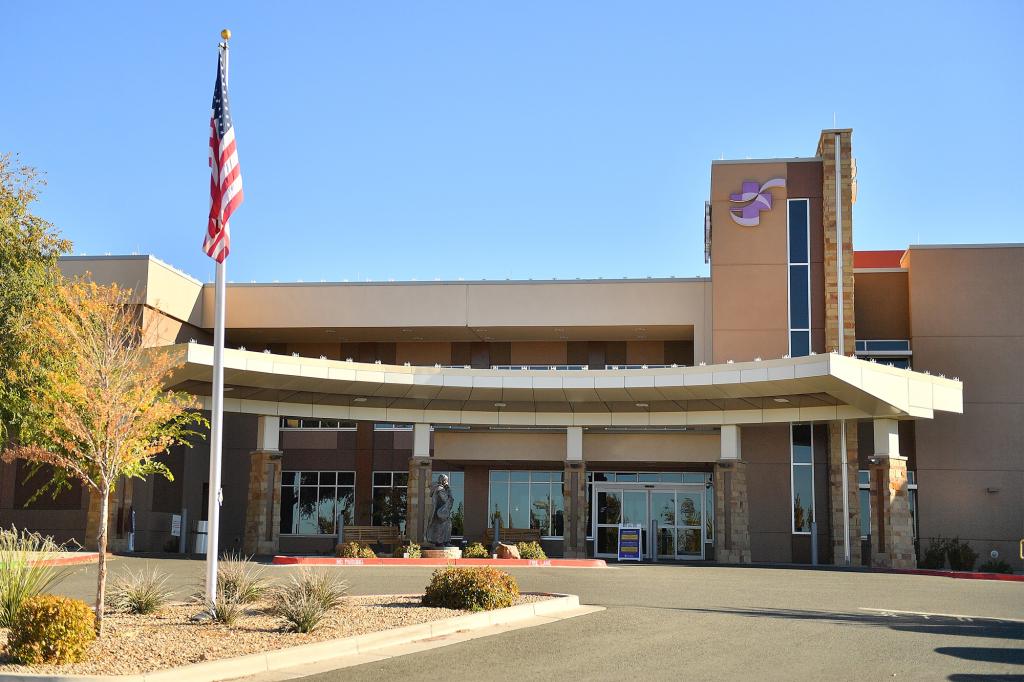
<point x="200" y="543"/>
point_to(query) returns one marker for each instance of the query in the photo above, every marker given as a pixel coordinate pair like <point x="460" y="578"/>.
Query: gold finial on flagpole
<point x="225" y="34"/>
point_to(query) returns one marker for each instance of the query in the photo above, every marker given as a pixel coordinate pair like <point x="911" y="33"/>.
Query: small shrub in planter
<point x="240" y="579"/>
<point x="21" y="576"/>
<point x="531" y="550"/>
<point x="307" y="598"/>
<point x="961" y="556"/>
<point x="476" y="550"/>
<point x="51" y="629"/>
<point x="143" y="592"/>
<point x="996" y="566"/>
<point x="935" y="555"/>
<point x="413" y="550"/>
<point x="225" y="610"/>
<point x="354" y="550"/>
<point x="477" y="588"/>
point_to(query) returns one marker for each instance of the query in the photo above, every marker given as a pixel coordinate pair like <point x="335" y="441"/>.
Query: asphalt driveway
<point x="708" y="622"/>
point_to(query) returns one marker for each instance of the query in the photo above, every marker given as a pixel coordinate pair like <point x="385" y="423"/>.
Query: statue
<point x="439" y="526"/>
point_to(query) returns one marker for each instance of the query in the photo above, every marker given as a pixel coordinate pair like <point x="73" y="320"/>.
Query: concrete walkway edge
<point x="334" y="649"/>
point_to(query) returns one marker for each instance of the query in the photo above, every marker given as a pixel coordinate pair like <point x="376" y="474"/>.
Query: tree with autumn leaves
<point x="99" y="410"/>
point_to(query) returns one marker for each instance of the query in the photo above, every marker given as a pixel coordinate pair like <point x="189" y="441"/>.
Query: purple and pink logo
<point x="757" y="198"/>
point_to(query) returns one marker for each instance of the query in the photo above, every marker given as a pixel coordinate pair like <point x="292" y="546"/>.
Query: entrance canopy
<point x="814" y="388"/>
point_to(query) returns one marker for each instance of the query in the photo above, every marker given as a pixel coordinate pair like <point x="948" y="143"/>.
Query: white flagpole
<point x="213" y="500"/>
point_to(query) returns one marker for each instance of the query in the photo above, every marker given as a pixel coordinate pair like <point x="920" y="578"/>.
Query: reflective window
<point x="305" y="423"/>
<point x="527" y="499"/>
<point x="389" y="495"/>
<point x="312" y="500"/>
<point x="799" y="284"/>
<point x="802" y="465"/>
<point x="799" y="249"/>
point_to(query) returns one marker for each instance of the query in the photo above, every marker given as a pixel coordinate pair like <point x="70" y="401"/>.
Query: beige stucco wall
<point x="748" y="268"/>
<point x="597" y="447"/>
<point x="967" y="320"/>
<point x="883" y="305"/>
<point x="749" y="265"/>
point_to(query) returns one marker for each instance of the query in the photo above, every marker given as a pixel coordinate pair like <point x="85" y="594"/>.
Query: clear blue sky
<point x="490" y="140"/>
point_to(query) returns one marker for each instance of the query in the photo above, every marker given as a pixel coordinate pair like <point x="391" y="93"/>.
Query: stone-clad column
<point x="832" y="213"/>
<point x="892" y="533"/>
<point x="417" y="497"/>
<point x="836" y="493"/>
<point x="574" y="494"/>
<point x="263" y="511"/>
<point x="732" y="517"/>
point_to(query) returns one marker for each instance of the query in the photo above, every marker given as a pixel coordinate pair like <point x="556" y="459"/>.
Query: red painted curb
<point x="77" y="558"/>
<point x="283" y="560"/>
<point x="961" y="575"/>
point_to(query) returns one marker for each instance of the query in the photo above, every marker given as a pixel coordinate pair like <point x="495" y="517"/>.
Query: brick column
<point x="263" y="510"/>
<point x="92" y="521"/>
<point x="892" y="533"/>
<point x="574" y="494"/>
<point x="836" y="493"/>
<point x="417" y="497"/>
<point x="845" y="171"/>
<point x="732" y="518"/>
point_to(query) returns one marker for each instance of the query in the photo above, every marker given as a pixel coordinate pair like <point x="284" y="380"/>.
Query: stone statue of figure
<point x="439" y="527"/>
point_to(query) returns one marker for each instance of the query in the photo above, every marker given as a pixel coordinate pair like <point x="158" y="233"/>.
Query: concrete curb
<point x="320" y="652"/>
<point x="284" y="560"/>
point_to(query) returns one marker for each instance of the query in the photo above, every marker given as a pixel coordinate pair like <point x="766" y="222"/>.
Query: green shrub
<point x="240" y="579"/>
<point x="354" y="550"/>
<point x="935" y="555"/>
<point x="996" y="566"/>
<point x="305" y="599"/>
<point x="142" y="592"/>
<point x="476" y="551"/>
<point x="531" y="550"/>
<point x="51" y="629"/>
<point x="476" y="588"/>
<point x="413" y="550"/>
<point x="21" y="575"/>
<point x="961" y="556"/>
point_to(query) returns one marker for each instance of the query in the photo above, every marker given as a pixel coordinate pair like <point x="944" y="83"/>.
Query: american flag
<point x="225" y="173"/>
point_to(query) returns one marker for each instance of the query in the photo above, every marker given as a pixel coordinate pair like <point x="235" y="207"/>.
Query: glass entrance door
<point x="678" y="511"/>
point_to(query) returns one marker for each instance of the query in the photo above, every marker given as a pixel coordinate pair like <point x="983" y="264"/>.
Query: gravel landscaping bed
<point x="136" y="644"/>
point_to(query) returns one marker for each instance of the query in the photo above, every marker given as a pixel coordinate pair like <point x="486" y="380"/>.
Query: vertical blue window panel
<point x="803" y="498"/>
<point x="799" y="344"/>
<point x="799" y="249"/>
<point x="799" y="298"/>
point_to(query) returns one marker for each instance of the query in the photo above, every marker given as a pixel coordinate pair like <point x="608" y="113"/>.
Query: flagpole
<point x="213" y="500"/>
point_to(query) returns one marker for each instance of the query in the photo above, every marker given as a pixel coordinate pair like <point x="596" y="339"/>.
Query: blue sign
<point x="629" y="543"/>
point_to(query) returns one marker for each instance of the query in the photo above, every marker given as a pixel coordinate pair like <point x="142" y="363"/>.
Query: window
<point x="802" y="465"/>
<point x="387" y="426"/>
<point x="894" y="352"/>
<point x="304" y="423"/>
<point x="312" y="500"/>
<point x="799" y="220"/>
<point x="689" y="477"/>
<point x="527" y="499"/>
<point x="864" y="492"/>
<point x="457" y="482"/>
<point x="389" y="488"/>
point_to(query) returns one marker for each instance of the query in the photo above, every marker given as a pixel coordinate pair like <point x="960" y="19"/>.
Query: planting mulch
<point x="136" y="644"/>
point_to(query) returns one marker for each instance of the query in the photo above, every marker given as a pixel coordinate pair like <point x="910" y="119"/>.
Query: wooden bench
<point x="511" y="536"/>
<point x="389" y="536"/>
